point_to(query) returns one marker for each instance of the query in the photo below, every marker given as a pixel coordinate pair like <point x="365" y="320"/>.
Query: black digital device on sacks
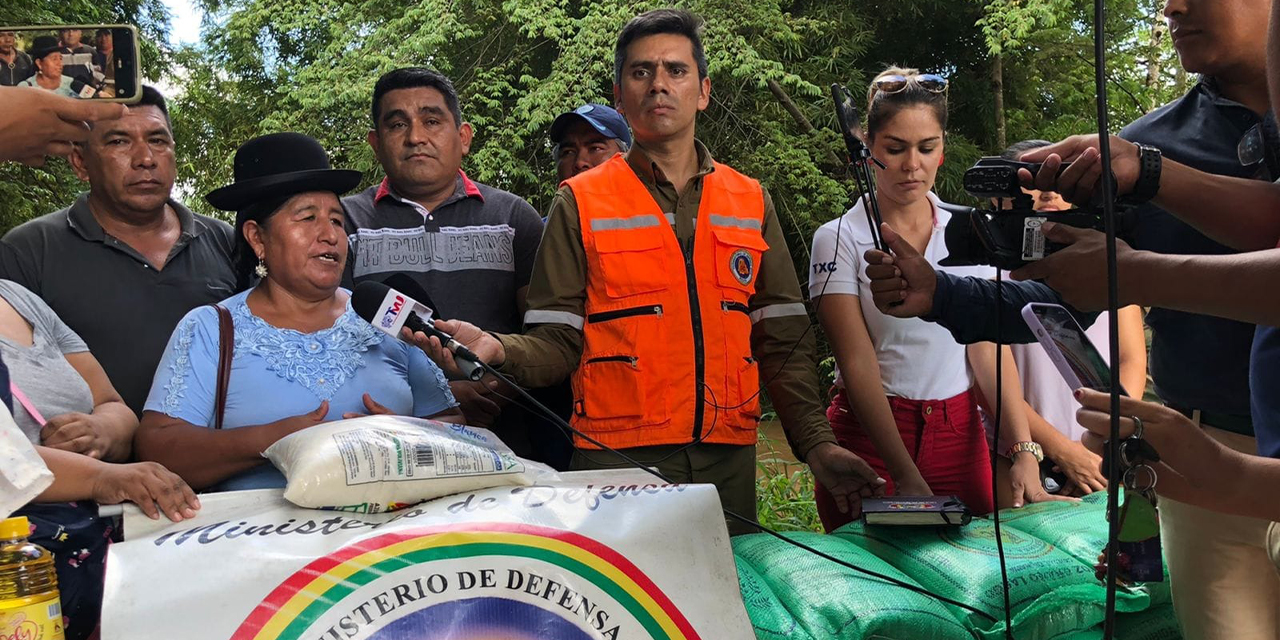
<point x="918" y="511"/>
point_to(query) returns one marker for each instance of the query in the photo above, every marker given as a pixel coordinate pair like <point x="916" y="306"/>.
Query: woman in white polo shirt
<point x="907" y="401"/>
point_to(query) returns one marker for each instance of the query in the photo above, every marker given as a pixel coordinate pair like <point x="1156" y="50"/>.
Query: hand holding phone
<point x="36" y="123"/>
<point x="88" y="62"/>
<point x="1079" y="362"/>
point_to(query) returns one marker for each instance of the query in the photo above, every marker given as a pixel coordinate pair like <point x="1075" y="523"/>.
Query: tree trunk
<point x="997" y="88"/>
<point x="1158" y="30"/>
<point x="782" y="97"/>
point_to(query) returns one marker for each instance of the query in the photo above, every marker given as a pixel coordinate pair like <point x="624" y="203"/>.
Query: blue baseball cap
<point x="602" y="118"/>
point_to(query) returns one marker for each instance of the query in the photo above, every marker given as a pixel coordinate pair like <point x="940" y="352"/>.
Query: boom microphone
<point x="389" y="310"/>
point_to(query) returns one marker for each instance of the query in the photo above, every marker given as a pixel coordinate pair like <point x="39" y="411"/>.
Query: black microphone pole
<point x="1109" y="224"/>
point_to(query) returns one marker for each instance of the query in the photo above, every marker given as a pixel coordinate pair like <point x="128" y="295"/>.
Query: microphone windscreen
<point x="82" y="89"/>
<point x="367" y="297"/>
<point x="405" y="284"/>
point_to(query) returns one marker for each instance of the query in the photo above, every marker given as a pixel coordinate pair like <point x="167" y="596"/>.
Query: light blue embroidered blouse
<point x="278" y="373"/>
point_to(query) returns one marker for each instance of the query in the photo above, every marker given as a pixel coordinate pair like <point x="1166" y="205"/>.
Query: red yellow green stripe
<point x="303" y="598"/>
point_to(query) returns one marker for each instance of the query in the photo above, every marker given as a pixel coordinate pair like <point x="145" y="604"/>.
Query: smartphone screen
<point x="91" y="62"/>
<point x="1077" y="359"/>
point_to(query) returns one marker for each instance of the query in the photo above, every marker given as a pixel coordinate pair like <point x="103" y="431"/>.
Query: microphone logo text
<point x="389" y="317"/>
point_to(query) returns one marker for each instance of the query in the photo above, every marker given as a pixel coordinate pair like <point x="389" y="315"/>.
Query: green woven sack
<point x="1051" y="592"/>
<point x="769" y="617"/>
<point x="1097" y="497"/>
<point x="834" y="602"/>
<point x="1154" y="624"/>
<point x="1088" y="634"/>
<point x="1080" y="529"/>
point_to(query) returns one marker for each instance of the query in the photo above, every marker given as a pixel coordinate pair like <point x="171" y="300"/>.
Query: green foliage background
<point x="310" y="65"/>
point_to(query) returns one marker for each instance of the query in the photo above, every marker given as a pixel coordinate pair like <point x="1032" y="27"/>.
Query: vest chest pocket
<point x="632" y="260"/>
<point x="738" y="254"/>
<point x="619" y="384"/>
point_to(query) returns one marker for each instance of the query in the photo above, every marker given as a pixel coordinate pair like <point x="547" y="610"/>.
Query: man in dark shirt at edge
<point x="125" y="262"/>
<point x="1223" y="584"/>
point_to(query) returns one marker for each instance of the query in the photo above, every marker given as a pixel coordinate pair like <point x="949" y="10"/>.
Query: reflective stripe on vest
<point x="659" y="364"/>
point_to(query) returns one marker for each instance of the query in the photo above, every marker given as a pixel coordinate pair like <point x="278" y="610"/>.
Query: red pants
<point x="944" y="437"/>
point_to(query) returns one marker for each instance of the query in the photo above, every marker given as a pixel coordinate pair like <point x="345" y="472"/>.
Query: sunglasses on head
<point x="930" y="82"/>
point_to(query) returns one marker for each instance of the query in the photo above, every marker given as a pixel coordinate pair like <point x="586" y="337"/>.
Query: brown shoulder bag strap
<point x="226" y="348"/>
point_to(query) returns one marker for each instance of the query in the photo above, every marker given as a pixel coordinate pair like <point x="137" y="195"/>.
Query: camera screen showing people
<point x="77" y="62"/>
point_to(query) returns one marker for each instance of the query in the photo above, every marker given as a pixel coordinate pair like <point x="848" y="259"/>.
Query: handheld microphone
<point x="401" y="281"/>
<point x="83" y="89"/>
<point x="404" y="284"/>
<point x="389" y="310"/>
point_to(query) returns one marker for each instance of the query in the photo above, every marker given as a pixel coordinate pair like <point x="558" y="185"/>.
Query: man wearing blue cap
<point x="586" y="137"/>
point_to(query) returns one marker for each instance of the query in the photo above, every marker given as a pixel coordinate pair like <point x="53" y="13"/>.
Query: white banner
<point x="599" y="557"/>
<point x="23" y="475"/>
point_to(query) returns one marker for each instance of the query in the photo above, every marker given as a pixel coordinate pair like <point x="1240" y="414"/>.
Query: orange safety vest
<point x="666" y="353"/>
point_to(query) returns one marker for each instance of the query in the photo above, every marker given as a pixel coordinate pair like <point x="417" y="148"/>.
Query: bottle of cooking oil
<point x="29" y="604"/>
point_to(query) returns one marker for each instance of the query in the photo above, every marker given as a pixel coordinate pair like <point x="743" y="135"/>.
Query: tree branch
<point x="785" y="100"/>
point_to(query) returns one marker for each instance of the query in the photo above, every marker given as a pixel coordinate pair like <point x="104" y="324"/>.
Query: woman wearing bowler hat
<point x="46" y="53"/>
<point x="301" y="356"/>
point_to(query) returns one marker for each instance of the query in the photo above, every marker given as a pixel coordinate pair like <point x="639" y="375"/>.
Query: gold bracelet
<point x="1025" y="447"/>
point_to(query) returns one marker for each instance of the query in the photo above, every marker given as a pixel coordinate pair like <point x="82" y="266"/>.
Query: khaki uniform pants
<point x="731" y="468"/>
<point x="1224" y="585"/>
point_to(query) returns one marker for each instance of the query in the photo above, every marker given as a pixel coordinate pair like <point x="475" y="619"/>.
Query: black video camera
<point x="1006" y="238"/>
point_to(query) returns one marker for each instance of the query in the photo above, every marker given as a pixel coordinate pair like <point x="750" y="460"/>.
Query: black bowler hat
<point x="279" y="165"/>
<point x="42" y="46"/>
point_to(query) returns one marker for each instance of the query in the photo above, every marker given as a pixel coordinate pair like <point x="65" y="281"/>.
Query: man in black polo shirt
<point x="469" y="246"/>
<point x="1223" y="586"/>
<point x="125" y="262"/>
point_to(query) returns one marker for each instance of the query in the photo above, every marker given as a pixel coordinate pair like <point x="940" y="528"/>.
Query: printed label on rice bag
<point x="378" y="455"/>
